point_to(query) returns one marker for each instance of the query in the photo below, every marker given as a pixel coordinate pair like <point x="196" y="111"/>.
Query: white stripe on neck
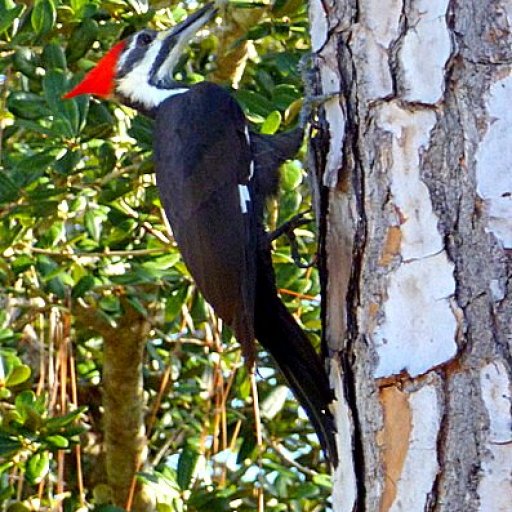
<point x="135" y="86"/>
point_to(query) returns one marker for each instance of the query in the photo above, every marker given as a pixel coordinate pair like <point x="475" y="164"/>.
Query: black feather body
<point x="203" y="153"/>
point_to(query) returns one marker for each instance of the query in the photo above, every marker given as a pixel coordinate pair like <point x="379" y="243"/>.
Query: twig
<point x="285" y="291"/>
<point x="295" y="222"/>
<point x="63" y="339"/>
<point x="158" y="400"/>
<point x="279" y="449"/>
<point x="259" y="436"/>
<point x="78" y="452"/>
<point x="104" y="254"/>
<point x="288" y="229"/>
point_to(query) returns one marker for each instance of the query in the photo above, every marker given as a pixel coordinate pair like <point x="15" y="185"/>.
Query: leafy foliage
<point x="81" y="231"/>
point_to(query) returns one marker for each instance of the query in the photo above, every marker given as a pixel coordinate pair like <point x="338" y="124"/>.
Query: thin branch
<point x="304" y="296"/>
<point x="259" y="436"/>
<point x="280" y="450"/>
<point x="105" y="254"/>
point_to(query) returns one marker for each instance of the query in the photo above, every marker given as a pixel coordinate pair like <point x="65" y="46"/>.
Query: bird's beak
<point x="187" y="28"/>
<point x="176" y="38"/>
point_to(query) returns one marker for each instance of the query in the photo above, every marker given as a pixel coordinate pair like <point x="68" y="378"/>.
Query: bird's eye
<point x="144" y="39"/>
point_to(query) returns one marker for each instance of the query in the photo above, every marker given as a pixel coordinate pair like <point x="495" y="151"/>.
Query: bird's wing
<point x="203" y="167"/>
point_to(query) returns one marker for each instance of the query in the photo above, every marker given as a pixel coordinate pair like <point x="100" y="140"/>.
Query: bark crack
<point x="353" y="164"/>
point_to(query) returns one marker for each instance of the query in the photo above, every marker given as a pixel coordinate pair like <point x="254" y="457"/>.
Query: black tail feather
<point x="279" y="334"/>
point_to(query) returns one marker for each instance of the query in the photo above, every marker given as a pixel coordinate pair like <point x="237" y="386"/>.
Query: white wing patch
<point x="245" y="197"/>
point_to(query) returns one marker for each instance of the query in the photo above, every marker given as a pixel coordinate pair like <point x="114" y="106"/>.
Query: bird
<point x="214" y="174"/>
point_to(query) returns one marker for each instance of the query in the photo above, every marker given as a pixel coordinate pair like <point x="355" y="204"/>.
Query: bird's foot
<point x="313" y="96"/>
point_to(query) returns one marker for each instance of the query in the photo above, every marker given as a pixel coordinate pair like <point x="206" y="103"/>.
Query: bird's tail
<point x="279" y="334"/>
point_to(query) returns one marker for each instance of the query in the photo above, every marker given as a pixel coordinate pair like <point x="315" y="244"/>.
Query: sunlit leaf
<point x="187" y="463"/>
<point x="274" y="402"/>
<point x="18" y="375"/>
<point x="271" y="123"/>
<point x="44" y="15"/>
<point x="9" y="11"/>
<point x="37" y="467"/>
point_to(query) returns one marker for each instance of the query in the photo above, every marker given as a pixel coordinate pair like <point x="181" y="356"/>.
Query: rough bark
<point x="415" y="158"/>
<point x="123" y="418"/>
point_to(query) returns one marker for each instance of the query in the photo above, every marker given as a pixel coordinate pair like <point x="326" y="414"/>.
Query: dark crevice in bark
<point x="352" y="166"/>
<point x="349" y="379"/>
<point x="501" y="343"/>
<point x="434" y="496"/>
<point x="394" y="48"/>
<point x="319" y="148"/>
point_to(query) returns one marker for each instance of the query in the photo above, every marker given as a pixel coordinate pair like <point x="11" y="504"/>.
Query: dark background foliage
<point x="82" y="240"/>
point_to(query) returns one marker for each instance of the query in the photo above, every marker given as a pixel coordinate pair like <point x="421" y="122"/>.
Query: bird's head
<point x="139" y="69"/>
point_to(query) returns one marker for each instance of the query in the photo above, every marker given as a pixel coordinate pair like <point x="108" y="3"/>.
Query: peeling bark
<point x="417" y="239"/>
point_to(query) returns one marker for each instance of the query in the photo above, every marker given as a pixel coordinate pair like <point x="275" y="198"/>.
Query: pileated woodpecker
<point x="214" y="175"/>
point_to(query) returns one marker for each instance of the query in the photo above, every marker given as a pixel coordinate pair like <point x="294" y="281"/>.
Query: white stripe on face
<point x="135" y="85"/>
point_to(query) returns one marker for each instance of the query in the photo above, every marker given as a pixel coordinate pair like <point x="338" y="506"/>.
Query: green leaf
<point x="137" y="305"/>
<point x="174" y="303"/>
<point x="78" y="5"/>
<point x="24" y="61"/>
<point x="108" y="508"/>
<point x="26" y="398"/>
<point x="107" y="157"/>
<point x="57" y="441"/>
<point x="68" y="162"/>
<point x="8" y="189"/>
<point x="4" y="467"/>
<point x="287" y="7"/>
<point x="284" y="95"/>
<point x="18" y="375"/>
<point x="304" y="491"/>
<point x="274" y="402"/>
<point x="33" y="127"/>
<point x="323" y="480"/>
<point x="37" y="467"/>
<point x="67" y="117"/>
<point x="81" y="40"/>
<point x="272" y="123"/>
<point x="32" y="167"/>
<point x="8" y="445"/>
<point x="44" y="16"/>
<point x="27" y="105"/>
<point x="110" y="304"/>
<point x="290" y="205"/>
<point x="291" y="176"/>
<point x="247" y="447"/>
<point x="93" y="220"/>
<point x="255" y="103"/>
<point x="187" y="463"/>
<point x="54" y="57"/>
<point x="164" y="507"/>
<point x="19" y="507"/>
<point x="58" y="422"/>
<point x="85" y="284"/>
<point x="8" y="13"/>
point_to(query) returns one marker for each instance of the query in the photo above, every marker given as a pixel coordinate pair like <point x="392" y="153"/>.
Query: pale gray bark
<point x="415" y="157"/>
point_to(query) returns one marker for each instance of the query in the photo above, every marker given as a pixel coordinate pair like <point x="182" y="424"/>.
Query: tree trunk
<point x="123" y="418"/>
<point x="414" y="157"/>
